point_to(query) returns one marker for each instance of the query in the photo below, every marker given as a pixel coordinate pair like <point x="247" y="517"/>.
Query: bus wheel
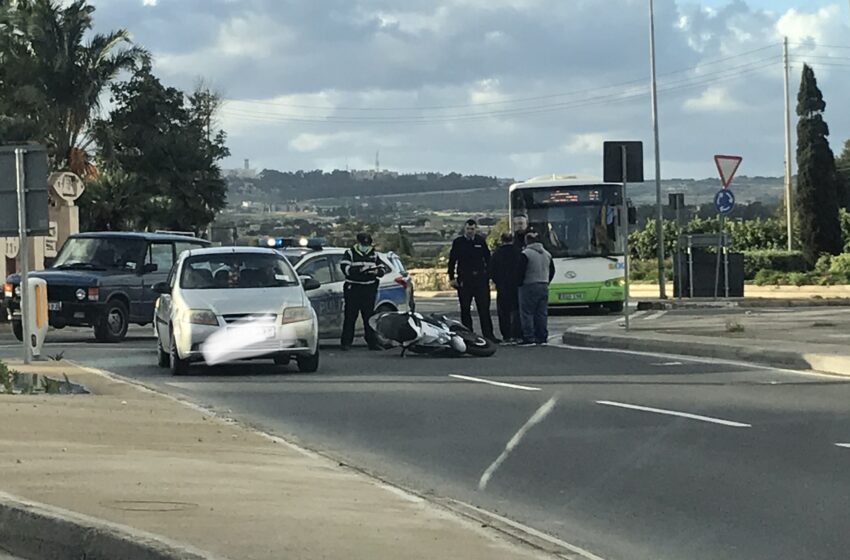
<point x="614" y="306"/>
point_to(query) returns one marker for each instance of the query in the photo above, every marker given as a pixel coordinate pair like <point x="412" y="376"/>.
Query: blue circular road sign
<point x="724" y="200"/>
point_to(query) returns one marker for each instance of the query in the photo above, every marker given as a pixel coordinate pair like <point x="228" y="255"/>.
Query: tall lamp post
<point x="659" y="220"/>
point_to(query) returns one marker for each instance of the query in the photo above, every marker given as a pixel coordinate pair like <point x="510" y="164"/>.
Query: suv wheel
<point x="112" y="325"/>
<point x="308" y="364"/>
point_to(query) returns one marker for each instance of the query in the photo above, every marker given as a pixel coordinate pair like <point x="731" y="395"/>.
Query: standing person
<point x="362" y="268"/>
<point x="503" y="271"/>
<point x="519" y="225"/>
<point x="536" y="271"/>
<point x="469" y="261"/>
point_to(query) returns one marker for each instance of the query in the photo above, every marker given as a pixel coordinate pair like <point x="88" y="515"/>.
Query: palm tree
<point x="61" y="73"/>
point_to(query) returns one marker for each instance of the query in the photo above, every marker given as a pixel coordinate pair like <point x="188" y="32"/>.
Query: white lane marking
<point x="593" y="327"/>
<point x="587" y="555"/>
<point x="536" y="418"/>
<point x="496" y="383"/>
<point x="655" y="316"/>
<point x="668" y="364"/>
<point x="554" y="341"/>
<point x="676" y="413"/>
<point x="847" y="445"/>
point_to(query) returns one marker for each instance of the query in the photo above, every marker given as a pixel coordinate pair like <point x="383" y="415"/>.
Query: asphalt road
<point x="730" y="461"/>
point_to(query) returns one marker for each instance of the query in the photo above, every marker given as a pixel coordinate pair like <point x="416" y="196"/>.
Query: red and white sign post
<point x="727" y="166"/>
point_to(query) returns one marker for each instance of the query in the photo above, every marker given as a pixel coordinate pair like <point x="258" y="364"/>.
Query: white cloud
<point x="434" y="84"/>
<point x="586" y="144"/>
<point x="308" y="142"/>
<point x="715" y="99"/>
<point x="818" y="26"/>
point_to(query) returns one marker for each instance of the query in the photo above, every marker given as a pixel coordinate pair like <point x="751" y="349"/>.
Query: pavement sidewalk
<point x="134" y="457"/>
<point x="799" y="338"/>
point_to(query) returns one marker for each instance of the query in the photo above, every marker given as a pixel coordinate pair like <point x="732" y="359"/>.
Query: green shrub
<point x="774" y="260"/>
<point x="840" y="264"/>
<point x="766" y="277"/>
<point x="646" y="270"/>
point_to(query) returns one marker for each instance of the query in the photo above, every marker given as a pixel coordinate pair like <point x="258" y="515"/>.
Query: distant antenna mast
<point x="377" y="161"/>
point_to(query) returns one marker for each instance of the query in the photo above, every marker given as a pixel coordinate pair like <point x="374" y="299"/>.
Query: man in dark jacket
<point x="503" y="271"/>
<point x="469" y="261"/>
<point x="536" y="271"/>
<point x="362" y="268"/>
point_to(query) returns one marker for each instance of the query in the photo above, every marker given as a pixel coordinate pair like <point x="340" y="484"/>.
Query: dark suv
<point x="104" y="280"/>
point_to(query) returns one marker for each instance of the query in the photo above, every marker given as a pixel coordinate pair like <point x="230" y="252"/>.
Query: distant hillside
<point x="459" y="192"/>
<point x="766" y="190"/>
<point x="277" y="186"/>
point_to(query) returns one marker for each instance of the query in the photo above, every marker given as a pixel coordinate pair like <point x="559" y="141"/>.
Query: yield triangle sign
<point x="727" y="166"/>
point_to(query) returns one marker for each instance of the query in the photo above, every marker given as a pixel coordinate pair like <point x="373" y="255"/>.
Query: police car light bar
<point x="315" y="243"/>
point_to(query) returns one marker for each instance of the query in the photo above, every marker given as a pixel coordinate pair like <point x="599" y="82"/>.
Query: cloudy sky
<point x="513" y="88"/>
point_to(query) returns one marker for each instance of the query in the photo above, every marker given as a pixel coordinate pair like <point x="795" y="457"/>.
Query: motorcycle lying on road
<point x="434" y="334"/>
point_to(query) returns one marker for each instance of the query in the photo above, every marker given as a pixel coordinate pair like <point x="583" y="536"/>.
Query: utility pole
<point x="788" y="195"/>
<point x="659" y="224"/>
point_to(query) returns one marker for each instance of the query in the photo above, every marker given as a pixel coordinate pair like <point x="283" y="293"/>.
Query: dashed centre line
<point x="688" y="415"/>
<point x="496" y="383"/>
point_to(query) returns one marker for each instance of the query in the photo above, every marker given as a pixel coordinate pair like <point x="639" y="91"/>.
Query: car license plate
<point x="54" y="306"/>
<point x="254" y="333"/>
<point x="571" y="296"/>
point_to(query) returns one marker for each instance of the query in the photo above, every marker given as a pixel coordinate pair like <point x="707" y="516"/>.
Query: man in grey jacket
<point x="536" y="271"/>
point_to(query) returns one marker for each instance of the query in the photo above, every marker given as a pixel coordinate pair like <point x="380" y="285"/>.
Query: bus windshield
<point x="573" y="221"/>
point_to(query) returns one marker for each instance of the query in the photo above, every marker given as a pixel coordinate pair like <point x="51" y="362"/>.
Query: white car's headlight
<point x="202" y="317"/>
<point x="295" y="314"/>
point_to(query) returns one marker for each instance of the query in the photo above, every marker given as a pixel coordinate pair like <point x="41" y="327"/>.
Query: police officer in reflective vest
<point x="362" y="268"/>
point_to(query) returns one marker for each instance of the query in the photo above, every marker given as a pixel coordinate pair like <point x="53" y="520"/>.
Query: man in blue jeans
<point x="536" y="270"/>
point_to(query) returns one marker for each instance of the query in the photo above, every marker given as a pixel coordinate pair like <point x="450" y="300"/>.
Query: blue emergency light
<point x="315" y="243"/>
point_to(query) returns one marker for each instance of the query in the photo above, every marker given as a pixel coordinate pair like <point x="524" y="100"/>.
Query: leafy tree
<point x="817" y="181"/>
<point x="52" y="76"/>
<point x="110" y="202"/>
<point x="643" y="242"/>
<point x="164" y="144"/>
<point x="842" y="164"/>
<point x="495" y="235"/>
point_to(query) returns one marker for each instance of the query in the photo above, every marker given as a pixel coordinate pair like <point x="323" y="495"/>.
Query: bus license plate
<point x="54" y="306"/>
<point x="571" y="296"/>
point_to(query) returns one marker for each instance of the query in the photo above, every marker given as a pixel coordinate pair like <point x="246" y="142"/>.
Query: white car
<point x="249" y="300"/>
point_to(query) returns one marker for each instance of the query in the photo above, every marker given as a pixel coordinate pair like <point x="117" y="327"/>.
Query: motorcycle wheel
<point x="477" y="345"/>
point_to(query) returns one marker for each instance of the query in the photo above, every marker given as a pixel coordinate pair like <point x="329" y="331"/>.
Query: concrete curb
<point x="39" y="531"/>
<point x="740" y="303"/>
<point x="693" y="346"/>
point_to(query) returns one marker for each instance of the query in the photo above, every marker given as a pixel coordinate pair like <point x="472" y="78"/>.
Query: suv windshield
<point x="101" y="253"/>
<point x="235" y="270"/>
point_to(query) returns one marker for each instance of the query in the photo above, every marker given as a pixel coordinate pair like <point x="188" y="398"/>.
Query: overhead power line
<point x="671" y="87"/>
<point x="507" y="101"/>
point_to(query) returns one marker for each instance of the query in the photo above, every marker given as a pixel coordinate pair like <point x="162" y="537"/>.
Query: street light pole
<point x="789" y="213"/>
<point x="659" y="223"/>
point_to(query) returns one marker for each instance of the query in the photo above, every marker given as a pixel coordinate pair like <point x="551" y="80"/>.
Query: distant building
<point x="372" y="175"/>
<point x="244" y="173"/>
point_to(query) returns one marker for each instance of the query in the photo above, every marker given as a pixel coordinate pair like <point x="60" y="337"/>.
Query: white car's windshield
<point x="236" y="270"/>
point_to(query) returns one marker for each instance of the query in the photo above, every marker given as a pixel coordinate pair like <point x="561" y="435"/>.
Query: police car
<point x="310" y="257"/>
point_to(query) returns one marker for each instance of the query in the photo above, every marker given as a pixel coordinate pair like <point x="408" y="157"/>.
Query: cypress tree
<point x="817" y="180"/>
